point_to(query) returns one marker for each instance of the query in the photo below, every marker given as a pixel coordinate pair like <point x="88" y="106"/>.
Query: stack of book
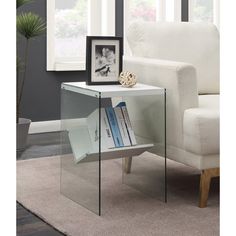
<point x="116" y="129"/>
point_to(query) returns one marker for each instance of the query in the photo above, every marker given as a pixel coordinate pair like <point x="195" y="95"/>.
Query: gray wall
<point x="41" y="97"/>
<point x="184" y="10"/>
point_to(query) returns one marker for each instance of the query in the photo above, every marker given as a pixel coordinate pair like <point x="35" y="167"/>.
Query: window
<point x="204" y="11"/>
<point x="68" y="23"/>
<point x="151" y="10"/>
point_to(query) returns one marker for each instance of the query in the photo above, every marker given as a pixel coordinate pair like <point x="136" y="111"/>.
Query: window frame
<point x="101" y="21"/>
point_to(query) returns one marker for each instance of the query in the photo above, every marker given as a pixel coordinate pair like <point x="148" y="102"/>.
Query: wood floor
<point x="39" y="145"/>
<point x="30" y="225"/>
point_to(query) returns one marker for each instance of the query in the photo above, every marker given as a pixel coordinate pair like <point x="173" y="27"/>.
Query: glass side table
<point x="143" y="165"/>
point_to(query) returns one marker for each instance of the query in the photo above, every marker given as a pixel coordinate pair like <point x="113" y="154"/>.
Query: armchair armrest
<point x="180" y="82"/>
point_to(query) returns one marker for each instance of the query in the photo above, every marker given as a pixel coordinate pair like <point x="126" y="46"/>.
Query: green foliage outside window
<point x="203" y="10"/>
<point x="71" y="23"/>
<point x="143" y="10"/>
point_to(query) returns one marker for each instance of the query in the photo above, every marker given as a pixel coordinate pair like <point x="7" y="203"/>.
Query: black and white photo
<point x="104" y="59"/>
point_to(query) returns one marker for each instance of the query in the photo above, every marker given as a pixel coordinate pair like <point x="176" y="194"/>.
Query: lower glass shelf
<point x="83" y="150"/>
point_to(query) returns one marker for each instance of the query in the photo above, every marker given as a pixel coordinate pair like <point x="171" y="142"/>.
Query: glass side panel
<point x="147" y="172"/>
<point x="80" y="167"/>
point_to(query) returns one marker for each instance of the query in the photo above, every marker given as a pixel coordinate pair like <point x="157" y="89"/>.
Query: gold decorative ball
<point x="127" y="79"/>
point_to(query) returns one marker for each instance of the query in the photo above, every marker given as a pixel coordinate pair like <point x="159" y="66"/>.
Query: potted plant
<point x="29" y="25"/>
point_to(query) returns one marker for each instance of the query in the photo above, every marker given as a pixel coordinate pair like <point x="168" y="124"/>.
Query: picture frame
<point x="103" y="59"/>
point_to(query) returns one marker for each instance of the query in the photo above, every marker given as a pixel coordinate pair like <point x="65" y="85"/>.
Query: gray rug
<point x="126" y="212"/>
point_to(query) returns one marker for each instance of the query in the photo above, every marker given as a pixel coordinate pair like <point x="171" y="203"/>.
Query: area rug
<point x="128" y="212"/>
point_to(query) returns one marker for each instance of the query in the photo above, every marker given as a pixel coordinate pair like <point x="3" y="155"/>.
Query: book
<point x="122" y="126"/>
<point x="130" y="130"/>
<point x="114" y="127"/>
<point x="93" y="128"/>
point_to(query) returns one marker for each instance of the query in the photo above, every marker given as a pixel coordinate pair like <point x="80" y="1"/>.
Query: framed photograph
<point x="103" y="60"/>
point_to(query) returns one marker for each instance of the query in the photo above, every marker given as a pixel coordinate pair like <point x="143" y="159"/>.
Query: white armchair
<point x="183" y="58"/>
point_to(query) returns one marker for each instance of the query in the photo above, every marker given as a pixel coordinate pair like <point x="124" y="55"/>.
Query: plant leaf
<point x="19" y="3"/>
<point x="30" y="25"/>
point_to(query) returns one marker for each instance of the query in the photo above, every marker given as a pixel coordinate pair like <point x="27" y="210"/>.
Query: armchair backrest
<point x="194" y="43"/>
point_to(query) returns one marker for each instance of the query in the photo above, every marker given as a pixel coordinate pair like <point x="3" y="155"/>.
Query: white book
<point x="93" y="128"/>
<point x="121" y="123"/>
<point x="128" y="124"/>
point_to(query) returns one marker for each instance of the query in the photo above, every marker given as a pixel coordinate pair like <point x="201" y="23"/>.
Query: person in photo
<point x="105" y="61"/>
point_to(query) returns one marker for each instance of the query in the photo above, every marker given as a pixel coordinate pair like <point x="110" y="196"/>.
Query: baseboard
<point x="45" y="126"/>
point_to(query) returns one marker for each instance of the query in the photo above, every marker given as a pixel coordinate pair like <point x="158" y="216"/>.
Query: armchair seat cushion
<point x="201" y="126"/>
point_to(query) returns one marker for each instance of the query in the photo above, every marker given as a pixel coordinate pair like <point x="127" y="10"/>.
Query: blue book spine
<point x="121" y="104"/>
<point x="114" y="127"/>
